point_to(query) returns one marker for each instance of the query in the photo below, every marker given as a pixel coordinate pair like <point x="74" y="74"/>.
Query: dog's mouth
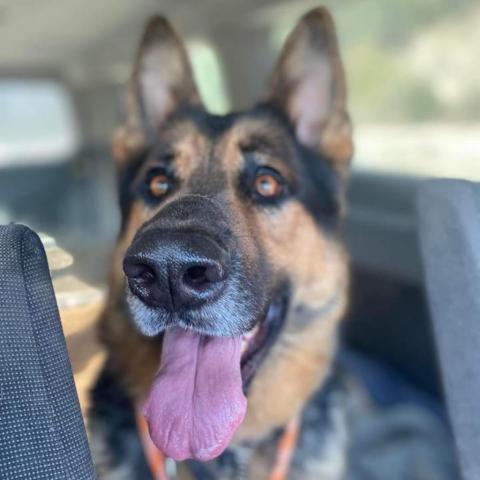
<point x="197" y="400"/>
<point x="257" y="342"/>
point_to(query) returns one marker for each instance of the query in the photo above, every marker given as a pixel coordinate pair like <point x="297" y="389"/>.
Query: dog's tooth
<point x="248" y="336"/>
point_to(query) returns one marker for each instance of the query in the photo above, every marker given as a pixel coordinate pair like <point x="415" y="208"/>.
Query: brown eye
<point x="267" y="185"/>
<point x="159" y="185"/>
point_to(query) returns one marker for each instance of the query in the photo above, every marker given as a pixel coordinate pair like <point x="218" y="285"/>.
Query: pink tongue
<point x="196" y="402"/>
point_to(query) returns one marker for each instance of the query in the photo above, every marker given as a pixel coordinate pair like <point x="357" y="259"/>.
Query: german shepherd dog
<point x="229" y="278"/>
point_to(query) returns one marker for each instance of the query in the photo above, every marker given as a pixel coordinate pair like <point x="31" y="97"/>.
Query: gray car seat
<point x="449" y="225"/>
<point x="42" y="435"/>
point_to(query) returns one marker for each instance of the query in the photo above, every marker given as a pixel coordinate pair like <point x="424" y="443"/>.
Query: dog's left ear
<point x="308" y="85"/>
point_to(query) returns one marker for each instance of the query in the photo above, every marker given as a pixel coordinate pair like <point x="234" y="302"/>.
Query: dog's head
<point x="230" y="230"/>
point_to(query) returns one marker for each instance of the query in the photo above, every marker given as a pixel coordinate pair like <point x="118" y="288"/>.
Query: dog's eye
<point x="267" y="184"/>
<point x="159" y="185"/>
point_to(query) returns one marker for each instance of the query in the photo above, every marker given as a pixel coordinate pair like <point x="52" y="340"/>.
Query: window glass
<point x="414" y="84"/>
<point x="37" y="123"/>
<point x="209" y="76"/>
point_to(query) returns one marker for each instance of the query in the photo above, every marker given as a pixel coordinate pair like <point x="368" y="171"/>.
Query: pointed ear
<point x="308" y="85"/>
<point x="162" y="77"/>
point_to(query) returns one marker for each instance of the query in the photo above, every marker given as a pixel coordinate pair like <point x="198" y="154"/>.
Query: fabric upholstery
<point x="42" y="435"/>
<point x="449" y="225"/>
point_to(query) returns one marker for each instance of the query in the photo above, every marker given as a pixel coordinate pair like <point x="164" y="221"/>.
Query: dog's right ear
<point x="162" y="81"/>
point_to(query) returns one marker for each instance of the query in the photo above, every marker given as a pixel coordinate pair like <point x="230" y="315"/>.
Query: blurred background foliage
<point x="409" y="60"/>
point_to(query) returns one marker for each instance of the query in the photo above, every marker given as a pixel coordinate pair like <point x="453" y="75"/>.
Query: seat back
<point x="42" y="435"/>
<point x="449" y="226"/>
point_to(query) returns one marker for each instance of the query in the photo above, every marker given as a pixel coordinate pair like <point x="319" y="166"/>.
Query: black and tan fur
<point x="302" y="130"/>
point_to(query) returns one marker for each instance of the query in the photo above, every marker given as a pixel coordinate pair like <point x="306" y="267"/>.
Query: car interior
<point x="414" y="91"/>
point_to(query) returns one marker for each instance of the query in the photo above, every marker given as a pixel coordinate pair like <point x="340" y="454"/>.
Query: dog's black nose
<point x="176" y="271"/>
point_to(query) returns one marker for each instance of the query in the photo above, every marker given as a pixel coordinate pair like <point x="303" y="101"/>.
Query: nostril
<point x="196" y="277"/>
<point x="201" y="276"/>
<point x="140" y="273"/>
<point x="145" y="275"/>
<point x="214" y="273"/>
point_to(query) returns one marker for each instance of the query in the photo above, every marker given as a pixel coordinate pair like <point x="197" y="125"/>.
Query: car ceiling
<point x="83" y="37"/>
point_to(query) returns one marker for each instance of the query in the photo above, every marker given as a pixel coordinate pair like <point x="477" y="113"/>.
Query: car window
<point x="414" y="84"/>
<point x="37" y="123"/>
<point x="209" y="75"/>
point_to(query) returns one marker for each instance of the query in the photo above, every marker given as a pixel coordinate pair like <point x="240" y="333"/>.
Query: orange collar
<point x="285" y="449"/>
